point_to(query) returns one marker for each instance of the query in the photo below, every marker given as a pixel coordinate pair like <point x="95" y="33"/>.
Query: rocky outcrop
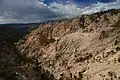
<point x="82" y="48"/>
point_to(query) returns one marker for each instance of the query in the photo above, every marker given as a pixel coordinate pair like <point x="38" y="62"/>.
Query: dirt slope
<point x="82" y="48"/>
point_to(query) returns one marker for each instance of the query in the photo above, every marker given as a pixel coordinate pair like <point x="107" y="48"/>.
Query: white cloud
<point x="37" y="11"/>
<point x="72" y="10"/>
<point x="101" y="7"/>
<point x="24" y="11"/>
<point x="65" y="9"/>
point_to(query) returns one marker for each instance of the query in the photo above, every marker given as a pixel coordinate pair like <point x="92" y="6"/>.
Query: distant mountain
<point x="17" y="31"/>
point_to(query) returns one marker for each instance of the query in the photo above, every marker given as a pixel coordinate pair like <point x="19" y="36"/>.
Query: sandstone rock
<point x="81" y="48"/>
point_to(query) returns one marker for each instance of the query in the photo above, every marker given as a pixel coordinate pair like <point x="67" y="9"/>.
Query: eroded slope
<point x="14" y="65"/>
<point x="83" y="48"/>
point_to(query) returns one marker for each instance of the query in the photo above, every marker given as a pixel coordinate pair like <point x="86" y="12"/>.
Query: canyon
<point x="86" y="47"/>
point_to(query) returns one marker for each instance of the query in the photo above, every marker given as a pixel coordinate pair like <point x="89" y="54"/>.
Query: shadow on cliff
<point x="13" y="64"/>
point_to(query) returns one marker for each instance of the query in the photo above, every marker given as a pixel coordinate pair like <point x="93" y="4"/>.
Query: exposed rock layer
<point x="82" y="48"/>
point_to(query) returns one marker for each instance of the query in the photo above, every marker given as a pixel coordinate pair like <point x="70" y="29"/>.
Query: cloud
<point x="24" y="11"/>
<point x="72" y="10"/>
<point x="99" y="6"/>
<point x="66" y="10"/>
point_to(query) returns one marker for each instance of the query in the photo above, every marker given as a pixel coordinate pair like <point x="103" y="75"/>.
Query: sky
<point x="30" y="11"/>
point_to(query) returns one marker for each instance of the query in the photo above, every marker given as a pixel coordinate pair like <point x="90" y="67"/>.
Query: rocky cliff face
<point x="82" y="48"/>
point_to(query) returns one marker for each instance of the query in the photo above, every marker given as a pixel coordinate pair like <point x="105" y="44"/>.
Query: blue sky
<point x="27" y="11"/>
<point x="81" y="1"/>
